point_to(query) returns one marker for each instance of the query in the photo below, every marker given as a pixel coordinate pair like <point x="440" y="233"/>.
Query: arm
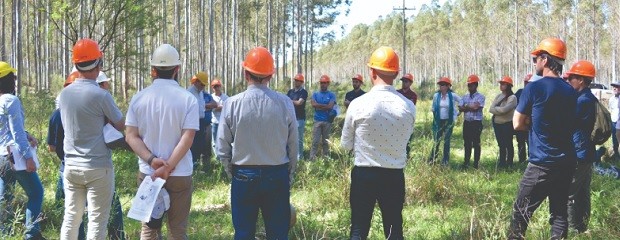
<point x="137" y="145"/>
<point x="187" y="138"/>
<point x="211" y="105"/>
<point x="348" y="130"/>
<point x="225" y="138"/>
<point x="111" y="111"/>
<point x="292" y="142"/>
<point x="16" y="127"/>
<point x="520" y="122"/>
<point x="511" y="103"/>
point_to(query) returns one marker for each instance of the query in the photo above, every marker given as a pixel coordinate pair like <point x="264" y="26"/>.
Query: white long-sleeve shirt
<point x="613" y="108"/>
<point x="377" y="127"/>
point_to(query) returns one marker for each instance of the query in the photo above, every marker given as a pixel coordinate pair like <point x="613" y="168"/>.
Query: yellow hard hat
<point x="6" y="68"/>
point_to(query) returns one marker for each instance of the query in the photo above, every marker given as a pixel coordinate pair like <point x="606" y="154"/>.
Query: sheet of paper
<point x="144" y="201"/>
<point x="20" y="161"/>
<point x="110" y="134"/>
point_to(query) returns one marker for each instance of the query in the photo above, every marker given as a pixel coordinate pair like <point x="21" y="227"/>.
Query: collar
<point x="383" y="88"/>
<point x="84" y="80"/>
<point x="164" y="81"/>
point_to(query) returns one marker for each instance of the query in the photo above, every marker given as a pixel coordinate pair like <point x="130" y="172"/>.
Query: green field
<point x="441" y="202"/>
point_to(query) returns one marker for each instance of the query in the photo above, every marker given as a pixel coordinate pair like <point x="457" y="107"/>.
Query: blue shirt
<point x="323" y="98"/>
<point x="550" y="103"/>
<point x="208" y="98"/>
<point x="586" y="115"/>
<point x="12" y="126"/>
<point x="56" y="136"/>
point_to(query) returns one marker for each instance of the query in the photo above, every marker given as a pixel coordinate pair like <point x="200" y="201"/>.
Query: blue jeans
<point x="31" y="184"/>
<point x="301" y="128"/>
<point x="214" y="134"/>
<point x="444" y="132"/>
<point x="260" y="187"/>
<point x="614" y="139"/>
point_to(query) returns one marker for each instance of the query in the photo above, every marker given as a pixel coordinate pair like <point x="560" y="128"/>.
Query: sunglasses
<point x="442" y="84"/>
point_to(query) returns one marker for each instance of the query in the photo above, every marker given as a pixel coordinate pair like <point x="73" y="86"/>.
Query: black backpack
<point x="602" y="125"/>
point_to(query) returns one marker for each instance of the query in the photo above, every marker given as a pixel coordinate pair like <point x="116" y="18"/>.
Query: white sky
<point x="367" y="11"/>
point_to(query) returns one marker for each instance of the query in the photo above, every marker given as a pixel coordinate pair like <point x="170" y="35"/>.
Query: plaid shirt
<point x="470" y="99"/>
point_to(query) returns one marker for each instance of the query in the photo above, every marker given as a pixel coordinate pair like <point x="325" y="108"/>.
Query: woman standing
<point x="445" y="112"/>
<point x="503" y="108"/>
<point x="13" y="135"/>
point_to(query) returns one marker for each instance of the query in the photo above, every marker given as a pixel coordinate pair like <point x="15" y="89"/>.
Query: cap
<point x="102" y="77"/>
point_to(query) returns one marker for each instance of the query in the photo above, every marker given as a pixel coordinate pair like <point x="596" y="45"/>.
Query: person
<point x="580" y="75"/>
<point x="547" y="108"/>
<point x="103" y="80"/>
<point x="299" y="95"/>
<point x="522" y="135"/>
<point x="471" y="106"/>
<point x="379" y="157"/>
<point x="13" y="134"/>
<point x="89" y="172"/>
<point x="257" y="144"/>
<point x="323" y="103"/>
<point x="406" y="91"/>
<point x="162" y="139"/>
<point x="200" y="146"/>
<point x="356" y="82"/>
<point x="503" y="108"/>
<point x="614" y="110"/>
<point x="219" y="98"/>
<point x="444" y="116"/>
<point x="210" y="104"/>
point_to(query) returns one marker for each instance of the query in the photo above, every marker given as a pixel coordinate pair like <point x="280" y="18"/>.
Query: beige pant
<point x="180" y="190"/>
<point x="320" y="134"/>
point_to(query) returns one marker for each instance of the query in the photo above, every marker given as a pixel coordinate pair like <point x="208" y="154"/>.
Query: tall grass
<point x="441" y="202"/>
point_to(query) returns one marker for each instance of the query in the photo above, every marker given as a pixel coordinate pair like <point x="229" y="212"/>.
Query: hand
<point x="158" y="162"/>
<point x="163" y="172"/>
<point x="33" y="141"/>
<point x="30" y="165"/>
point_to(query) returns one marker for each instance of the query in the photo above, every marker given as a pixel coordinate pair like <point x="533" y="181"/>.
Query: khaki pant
<point x="180" y="190"/>
<point x="320" y="134"/>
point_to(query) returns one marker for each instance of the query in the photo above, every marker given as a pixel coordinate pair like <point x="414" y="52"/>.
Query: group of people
<point x="169" y="128"/>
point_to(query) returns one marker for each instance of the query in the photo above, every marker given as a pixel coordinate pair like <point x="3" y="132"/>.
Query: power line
<point x="404" y="53"/>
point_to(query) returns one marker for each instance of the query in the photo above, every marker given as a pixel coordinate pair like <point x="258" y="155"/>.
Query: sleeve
<point x="292" y="143"/>
<point x="16" y="126"/>
<point x="52" y="130"/>
<point x="130" y="119"/>
<point x="462" y="102"/>
<point x="348" y="129"/>
<point x="482" y="101"/>
<point x="511" y="103"/>
<point x="304" y="95"/>
<point x="332" y="96"/>
<point x="192" y="116"/>
<point x="110" y="110"/>
<point x="225" y="138"/>
<point x="524" y="106"/>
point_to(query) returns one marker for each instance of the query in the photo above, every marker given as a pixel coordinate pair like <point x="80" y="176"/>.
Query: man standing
<point x="547" y="108"/>
<point x="162" y="139"/>
<point x="200" y="145"/>
<point x="89" y="173"/>
<point x="522" y="135"/>
<point x="379" y="157"/>
<point x="323" y="103"/>
<point x="406" y="91"/>
<point x="615" y="112"/>
<point x="356" y="82"/>
<point x="472" y="106"/>
<point x="299" y="95"/>
<point x="257" y="144"/>
<point x="580" y="75"/>
<point x="219" y="98"/>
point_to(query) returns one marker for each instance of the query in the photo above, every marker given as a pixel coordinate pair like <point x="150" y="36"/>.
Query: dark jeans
<point x="614" y="139"/>
<point x="504" y="133"/>
<point x="408" y="148"/>
<point x="260" y="187"/>
<point x="444" y="132"/>
<point x="579" y="197"/>
<point x="538" y="183"/>
<point x="201" y="146"/>
<point x="522" y="144"/>
<point x="471" y="139"/>
<point x="370" y="185"/>
<point x="115" y="225"/>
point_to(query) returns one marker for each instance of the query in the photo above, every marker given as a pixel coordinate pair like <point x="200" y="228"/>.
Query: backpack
<point x="602" y="125"/>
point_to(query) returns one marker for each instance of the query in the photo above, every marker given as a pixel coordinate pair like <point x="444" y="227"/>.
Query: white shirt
<point x="377" y="127"/>
<point x="161" y="112"/>
<point x="444" y="104"/>
<point x="613" y="108"/>
<point x="215" y="117"/>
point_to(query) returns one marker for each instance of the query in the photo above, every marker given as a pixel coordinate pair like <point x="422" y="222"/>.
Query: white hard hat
<point x="165" y="56"/>
<point x="102" y="77"/>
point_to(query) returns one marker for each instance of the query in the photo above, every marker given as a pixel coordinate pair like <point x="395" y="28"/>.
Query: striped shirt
<point x="469" y="99"/>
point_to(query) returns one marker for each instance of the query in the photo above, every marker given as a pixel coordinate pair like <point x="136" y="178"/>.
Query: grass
<point x="441" y="202"/>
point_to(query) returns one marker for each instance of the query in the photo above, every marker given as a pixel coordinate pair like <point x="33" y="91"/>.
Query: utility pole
<point x="404" y="8"/>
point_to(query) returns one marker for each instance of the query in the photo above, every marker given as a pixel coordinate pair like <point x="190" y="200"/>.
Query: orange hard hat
<point x="202" y="77"/>
<point x="554" y="46"/>
<point x="407" y="76"/>
<point x="473" y="79"/>
<point x="445" y="80"/>
<point x="86" y="50"/>
<point x="506" y="79"/>
<point x="71" y="78"/>
<point x="358" y="77"/>
<point x="527" y="77"/>
<point x="385" y="59"/>
<point x="259" y="61"/>
<point x="216" y="82"/>
<point x="582" y="68"/>
<point x="299" y="77"/>
<point x="324" y="78"/>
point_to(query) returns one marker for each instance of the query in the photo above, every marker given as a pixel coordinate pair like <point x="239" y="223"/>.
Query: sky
<point x="367" y="11"/>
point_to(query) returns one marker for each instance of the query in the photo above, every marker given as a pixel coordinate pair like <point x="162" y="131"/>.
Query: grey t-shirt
<point x="83" y="109"/>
